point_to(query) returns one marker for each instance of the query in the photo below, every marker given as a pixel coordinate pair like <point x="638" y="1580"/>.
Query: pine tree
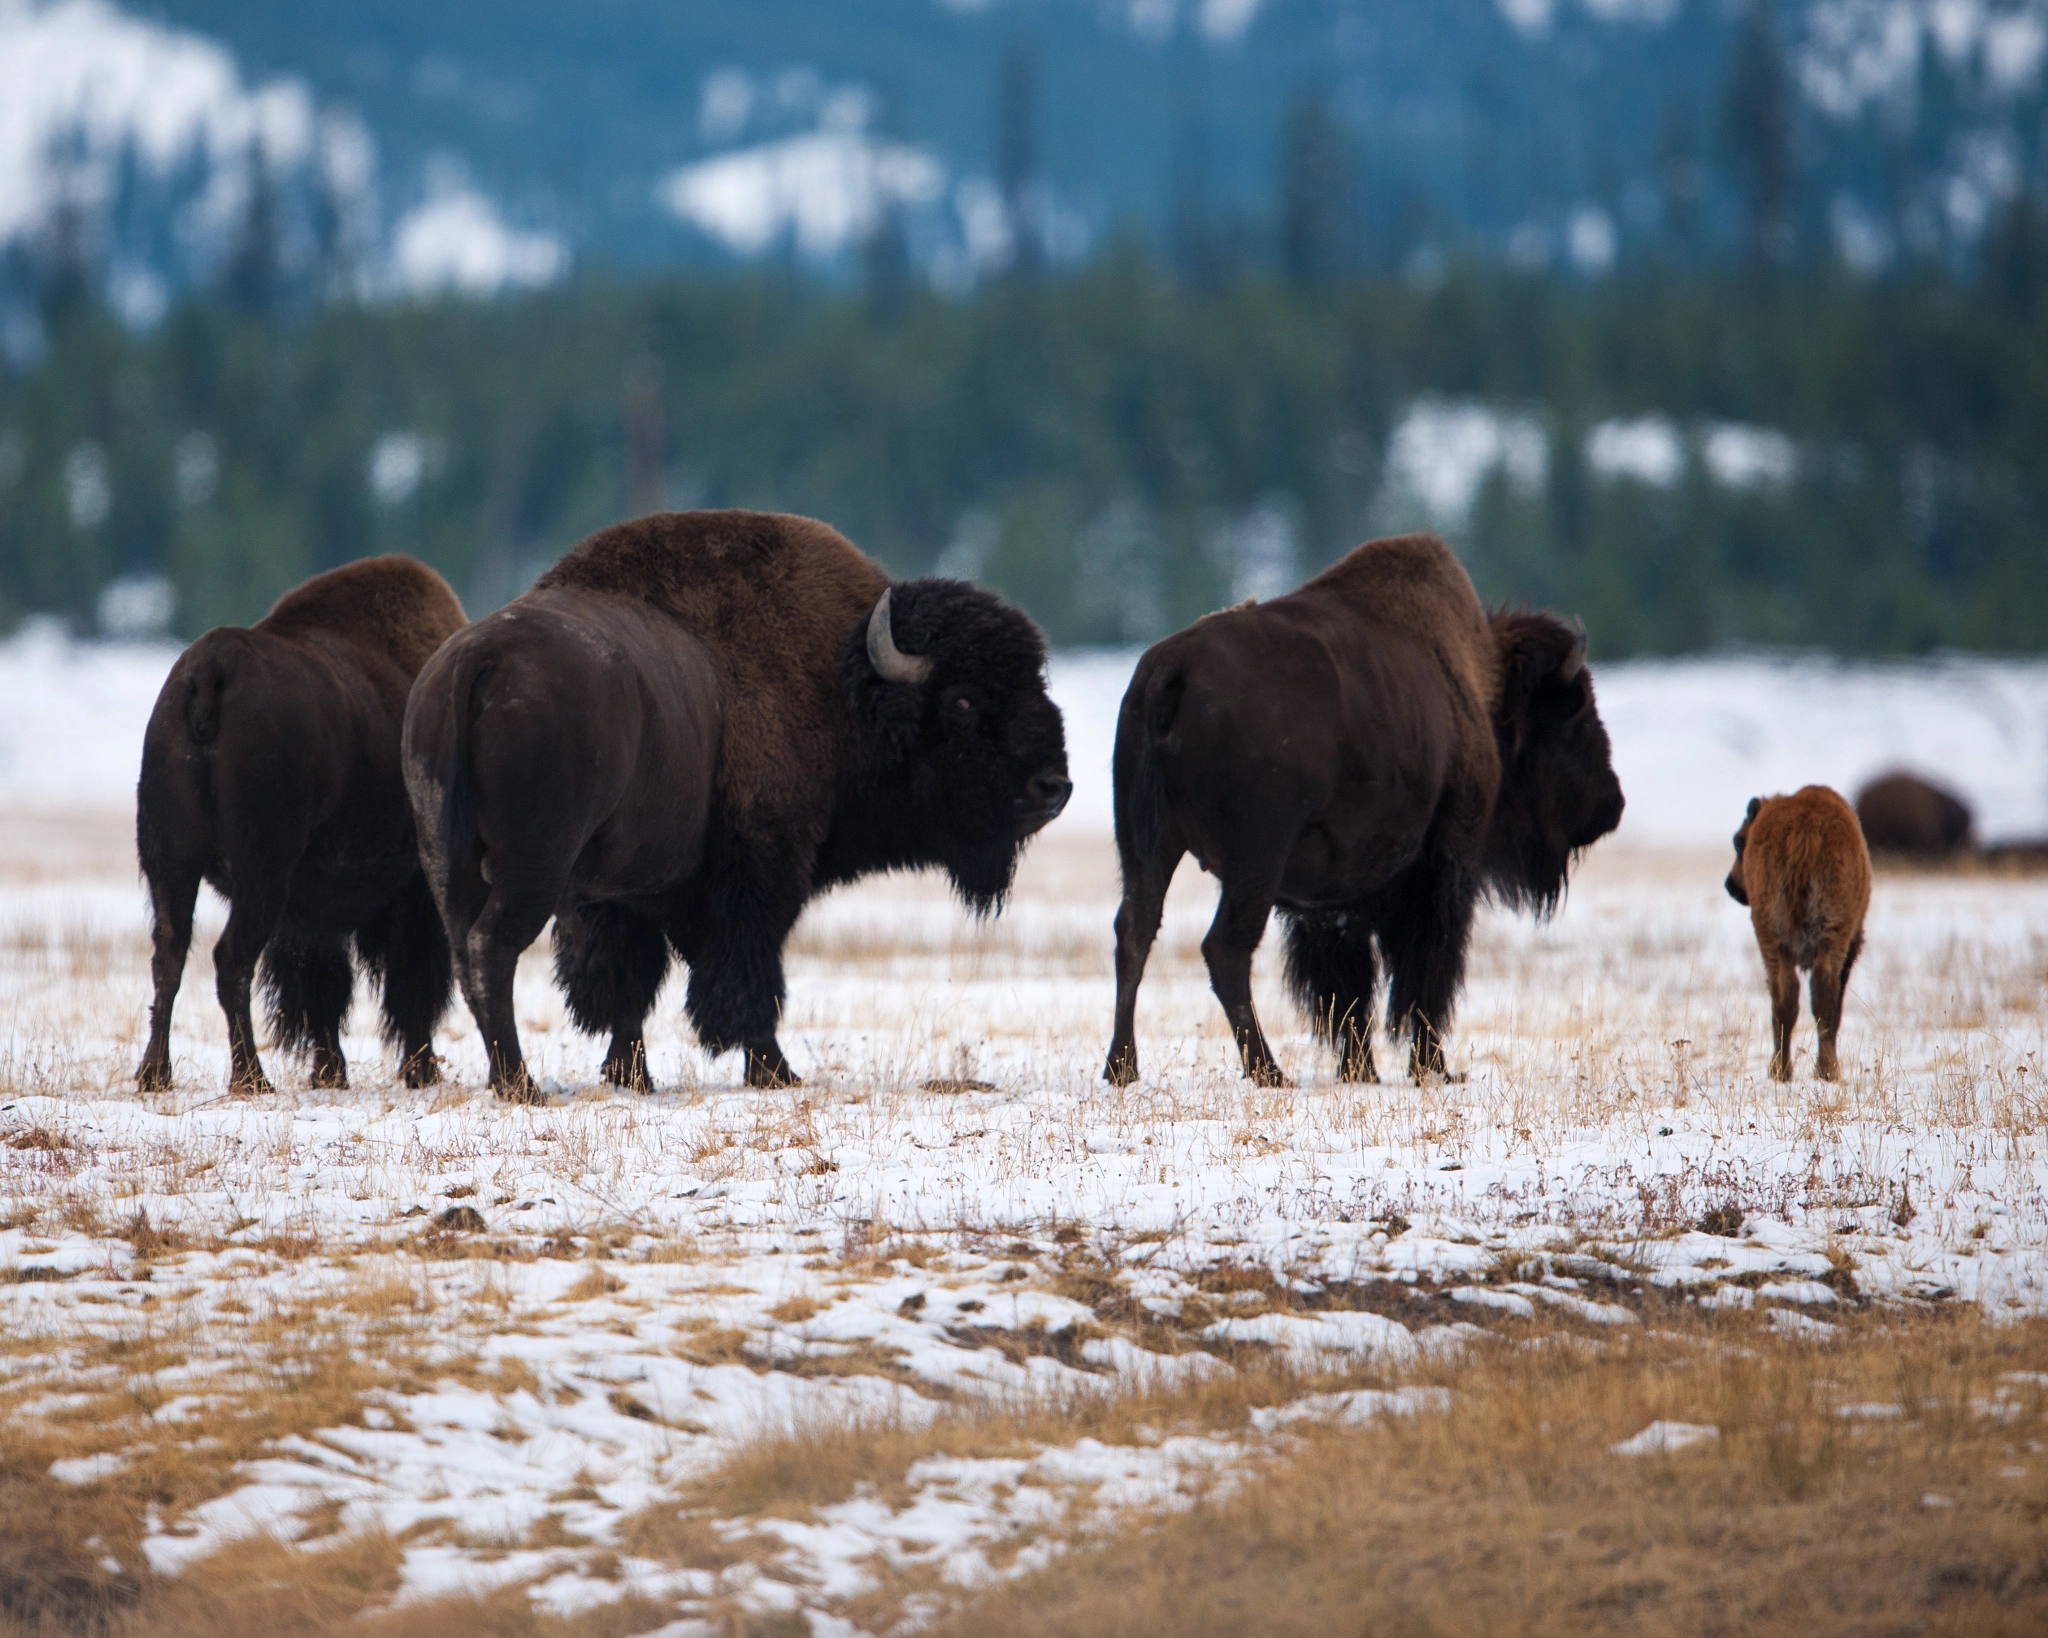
<point x="1759" y="114"/>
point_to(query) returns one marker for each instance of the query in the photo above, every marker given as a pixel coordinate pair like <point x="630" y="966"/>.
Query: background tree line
<point x="1118" y="450"/>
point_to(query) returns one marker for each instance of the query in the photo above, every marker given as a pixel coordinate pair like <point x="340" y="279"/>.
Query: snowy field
<point x="503" y="1337"/>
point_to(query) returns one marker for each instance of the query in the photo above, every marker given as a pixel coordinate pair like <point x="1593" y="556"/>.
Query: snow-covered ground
<point x="954" y="1207"/>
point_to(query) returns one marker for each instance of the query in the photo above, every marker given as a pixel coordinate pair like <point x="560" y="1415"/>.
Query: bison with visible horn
<point x="270" y="768"/>
<point x="1804" y="873"/>
<point x="1368" y="754"/>
<point x="691" y="725"/>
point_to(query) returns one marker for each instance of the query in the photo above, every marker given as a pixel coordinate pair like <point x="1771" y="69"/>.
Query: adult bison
<point x="1368" y="753"/>
<point x="1902" y="813"/>
<point x="270" y="769"/>
<point x="692" y="724"/>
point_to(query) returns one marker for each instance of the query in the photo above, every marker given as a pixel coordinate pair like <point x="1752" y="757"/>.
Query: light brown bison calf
<point x="1801" y="867"/>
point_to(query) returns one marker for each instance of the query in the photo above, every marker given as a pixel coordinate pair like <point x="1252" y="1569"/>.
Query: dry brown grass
<point x="1509" y="1514"/>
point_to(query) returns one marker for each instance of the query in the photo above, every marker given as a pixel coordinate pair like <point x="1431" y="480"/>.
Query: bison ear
<point x="1755" y="802"/>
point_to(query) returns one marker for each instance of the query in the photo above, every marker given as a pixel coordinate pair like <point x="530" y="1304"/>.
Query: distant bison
<point x="1905" y="814"/>
<point x="270" y="769"/>
<point x="1369" y="754"/>
<point x="692" y="725"/>
<point x="1801" y="867"/>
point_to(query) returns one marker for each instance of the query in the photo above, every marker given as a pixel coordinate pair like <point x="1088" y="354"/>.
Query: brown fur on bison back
<point x="1808" y="876"/>
<point x="392" y="603"/>
<point x="1416" y="582"/>
<point x="772" y="595"/>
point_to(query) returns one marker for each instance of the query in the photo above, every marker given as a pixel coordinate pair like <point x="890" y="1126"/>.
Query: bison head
<point x="960" y="739"/>
<point x="1558" y="792"/>
<point x="1737" y="884"/>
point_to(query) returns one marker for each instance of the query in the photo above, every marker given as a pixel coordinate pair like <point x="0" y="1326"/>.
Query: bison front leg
<point x="733" y="943"/>
<point x="1423" y="931"/>
<point x="1333" y="974"/>
<point x="405" y="947"/>
<point x="611" y="963"/>
<point x="1137" y="925"/>
<point x="1233" y="937"/>
<point x="311" y="984"/>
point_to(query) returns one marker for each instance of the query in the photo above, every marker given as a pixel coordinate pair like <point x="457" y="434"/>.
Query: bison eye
<point x="962" y="705"/>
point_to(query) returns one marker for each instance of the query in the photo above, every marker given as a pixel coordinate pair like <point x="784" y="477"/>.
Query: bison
<point x="1368" y="754"/>
<point x="270" y="769"/>
<point x="1801" y="868"/>
<point x="1905" y="814"/>
<point x="690" y="726"/>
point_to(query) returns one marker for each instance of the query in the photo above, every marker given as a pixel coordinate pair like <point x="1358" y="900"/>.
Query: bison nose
<point x="1050" y="791"/>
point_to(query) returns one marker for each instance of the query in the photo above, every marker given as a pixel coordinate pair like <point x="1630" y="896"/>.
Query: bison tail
<point x="458" y="789"/>
<point x="1141" y="819"/>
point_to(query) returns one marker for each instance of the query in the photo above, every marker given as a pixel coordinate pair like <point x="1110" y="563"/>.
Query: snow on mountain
<point x="82" y="81"/>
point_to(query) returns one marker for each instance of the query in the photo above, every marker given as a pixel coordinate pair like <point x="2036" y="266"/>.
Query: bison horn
<point x="1575" y="661"/>
<point x="889" y="661"/>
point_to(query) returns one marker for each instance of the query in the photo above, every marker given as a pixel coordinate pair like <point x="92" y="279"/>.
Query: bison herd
<point x="696" y="722"/>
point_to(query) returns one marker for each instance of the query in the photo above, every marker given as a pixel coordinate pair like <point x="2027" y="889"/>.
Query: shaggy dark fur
<point x="1904" y="814"/>
<point x="1802" y="869"/>
<point x="1368" y="755"/>
<point x="678" y="738"/>
<point x="271" y="769"/>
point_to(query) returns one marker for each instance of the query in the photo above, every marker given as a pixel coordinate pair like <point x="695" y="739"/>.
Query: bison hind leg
<point x="405" y="949"/>
<point x="1333" y="975"/>
<point x="172" y="894"/>
<point x="611" y="964"/>
<point x="310" y="983"/>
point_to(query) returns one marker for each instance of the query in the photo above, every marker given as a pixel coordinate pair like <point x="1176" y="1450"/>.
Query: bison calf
<point x="1801" y="867"/>
<point x="270" y="769"/>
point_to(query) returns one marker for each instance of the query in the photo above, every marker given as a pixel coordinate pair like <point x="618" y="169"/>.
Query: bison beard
<point x="271" y="769"/>
<point x="693" y="724"/>
<point x="1368" y="755"/>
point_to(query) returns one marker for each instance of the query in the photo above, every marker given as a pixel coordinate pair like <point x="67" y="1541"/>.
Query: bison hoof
<point x="1122" y="1068"/>
<point x="252" y="1086"/>
<point x="1780" y="1070"/>
<point x="770" y="1070"/>
<point x="421" y="1069"/>
<point x="330" y="1075"/>
<point x="630" y="1075"/>
<point x="153" y="1077"/>
<point x="1267" y="1075"/>
<point x="521" y="1090"/>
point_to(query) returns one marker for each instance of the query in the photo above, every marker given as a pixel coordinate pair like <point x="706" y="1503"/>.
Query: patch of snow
<point x="1647" y="450"/>
<point x="1443" y="450"/>
<point x="87" y="70"/>
<point x="88" y="1469"/>
<point x="456" y="240"/>
<point x="826" y="189"/>
<point x="1662" y="1438"/>
<point x="1801" y="1327"/>
<point x="1352" y="1409"/>
<point x="1332" y="1332"/>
